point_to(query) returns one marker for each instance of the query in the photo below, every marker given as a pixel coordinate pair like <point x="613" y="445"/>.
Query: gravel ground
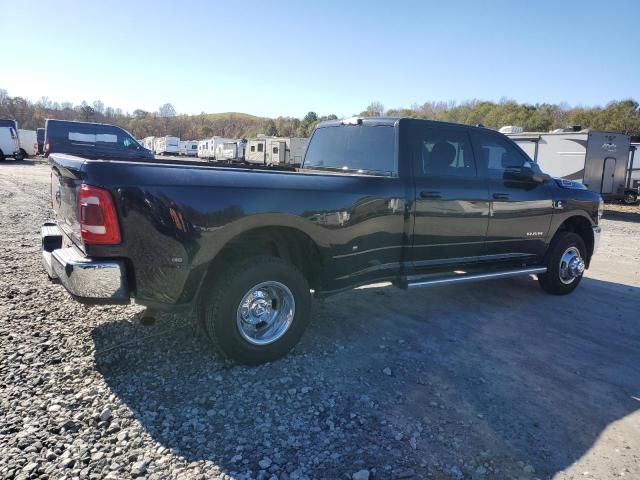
<point x="494" y="380"/>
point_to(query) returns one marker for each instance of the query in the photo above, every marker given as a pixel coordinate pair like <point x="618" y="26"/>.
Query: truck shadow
<point x="631" y="215"/>
<point x="493" y="374"/>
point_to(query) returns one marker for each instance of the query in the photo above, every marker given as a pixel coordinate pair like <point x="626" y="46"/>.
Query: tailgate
<point x="66" y="178"/>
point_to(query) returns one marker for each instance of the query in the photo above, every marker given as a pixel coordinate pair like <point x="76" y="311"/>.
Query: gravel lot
<point x="493" y="380"/>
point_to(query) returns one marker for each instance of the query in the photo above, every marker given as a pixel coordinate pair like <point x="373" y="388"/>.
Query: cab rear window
<point x="361" y="149"/>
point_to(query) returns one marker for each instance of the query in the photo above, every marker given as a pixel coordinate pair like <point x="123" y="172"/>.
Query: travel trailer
<point x="231" y="150"/>
<point x="207" y="147"/>
<point x="149" y="143"/>
<point x="596" y="159"/>
<point x="167" y="145"/>
<point x="275" y="150"/>
<point x="28" y="142"/>
<point x="189" y="148"/>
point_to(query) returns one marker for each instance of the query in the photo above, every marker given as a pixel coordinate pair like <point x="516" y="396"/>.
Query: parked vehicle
<point x="149" y="143"/>
<point x="275" y="150"/>
<point x="231" y="150"/>
<point x="28" y="142"/>
<point x="410" y="201"/>
<point x="40" y="140"/>
<point x="92" y="140"/>
<point x="207" y="148"/>
<point x="632" y="191"/>
<point x="9" y="143"/>
<point x="189" y="148"/>
<point x="167" y="145"/>
<point x="5" y="122"/>
<point x="596" y="159"/>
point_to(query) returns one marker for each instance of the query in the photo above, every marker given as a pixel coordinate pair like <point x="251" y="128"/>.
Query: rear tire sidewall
<point x="1" y="156"/>
<point x="550" y="281"/>
<point x="220" y="321"/>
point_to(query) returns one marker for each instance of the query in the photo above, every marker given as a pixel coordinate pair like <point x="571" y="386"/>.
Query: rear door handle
<point x="501" y="196"/>
<point x="426" y="194"/>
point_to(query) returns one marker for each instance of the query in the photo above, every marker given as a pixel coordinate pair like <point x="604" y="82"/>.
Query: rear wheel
<point x="565" y="264"/>
<point x="23" y="154"/>
<point x="258" y="309"/>
<point x="19" y="156"/>
<point x="1" y="156"/>
<point x="630" y="198"/>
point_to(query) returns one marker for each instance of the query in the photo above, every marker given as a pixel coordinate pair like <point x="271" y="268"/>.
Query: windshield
<point x="362" y="149"/>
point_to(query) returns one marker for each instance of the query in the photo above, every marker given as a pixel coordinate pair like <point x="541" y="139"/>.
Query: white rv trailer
<point x="275" y="150"/>
<point x="189" y="148"/>
<point x="596" y="159"/>
<point x="28" y="142"/>
<point x="207" y="147"/>
<point x="167" y="145"/>
<point x="233" y="150"/>
<point x="149" y="143"/>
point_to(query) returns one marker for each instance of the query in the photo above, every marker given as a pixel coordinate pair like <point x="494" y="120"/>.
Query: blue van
<point x="40" y="140"/>
<point x="92" y="140"/>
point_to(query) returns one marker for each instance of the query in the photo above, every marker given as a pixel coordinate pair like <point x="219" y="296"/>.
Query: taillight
<point x="46" y="144"/>
<point x="97" y="216"/>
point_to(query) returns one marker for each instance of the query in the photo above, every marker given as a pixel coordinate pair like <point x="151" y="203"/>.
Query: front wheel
<point x="258" y="309"/>
<point x="565" y="264"/>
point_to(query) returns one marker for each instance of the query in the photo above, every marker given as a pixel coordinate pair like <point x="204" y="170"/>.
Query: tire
<point x="558" y="280"/>
<point x="19" y="157"/>
<point x="24" y="153"/>
<point x="630" y="198"/>
<point x="274" y="283"/>
<point x="1" y="156"/>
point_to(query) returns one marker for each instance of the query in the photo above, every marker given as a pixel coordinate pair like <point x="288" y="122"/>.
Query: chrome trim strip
<point x="597" y="231"/>
<point x="474" y="277"/>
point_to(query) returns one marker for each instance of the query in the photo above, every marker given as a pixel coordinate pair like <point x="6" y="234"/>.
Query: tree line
<point x="618" y="116"/>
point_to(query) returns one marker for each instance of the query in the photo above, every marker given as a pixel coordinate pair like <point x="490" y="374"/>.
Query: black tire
<point x="220" y="300"/>
<point x="630" y="198"/>
<point x="1" y="156"/>
<point x="19" y="157"/>
<point x="23" y="153"/>
<point x="551" y="281"/>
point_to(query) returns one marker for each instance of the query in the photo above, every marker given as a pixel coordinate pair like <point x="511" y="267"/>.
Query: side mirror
<point x="526" y="173"/>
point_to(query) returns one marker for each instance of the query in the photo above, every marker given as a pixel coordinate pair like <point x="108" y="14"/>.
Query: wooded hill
<point x="617" y="116"/>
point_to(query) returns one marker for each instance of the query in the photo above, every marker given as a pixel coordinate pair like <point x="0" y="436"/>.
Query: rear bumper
<point x="88" y="280"/>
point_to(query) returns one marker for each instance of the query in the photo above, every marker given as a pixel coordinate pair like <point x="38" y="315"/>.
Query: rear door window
<point x="443" y="151"/>
<point x="362" y="149"/>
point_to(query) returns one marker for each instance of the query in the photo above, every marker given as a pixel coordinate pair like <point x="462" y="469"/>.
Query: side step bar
<point x="413" y="282"/>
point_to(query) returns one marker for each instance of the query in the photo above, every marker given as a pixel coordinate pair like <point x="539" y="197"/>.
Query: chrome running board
<point x="422" y="281"/>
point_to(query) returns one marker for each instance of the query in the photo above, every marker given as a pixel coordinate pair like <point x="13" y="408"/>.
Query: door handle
<point x="501" y="196"/>
<point x="426" y="194"/>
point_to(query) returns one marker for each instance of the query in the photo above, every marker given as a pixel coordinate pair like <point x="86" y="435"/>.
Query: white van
<point x="9" y="144"/>
<point x="28" y="142"/>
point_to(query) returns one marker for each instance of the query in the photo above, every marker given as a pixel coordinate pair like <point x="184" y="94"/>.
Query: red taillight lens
<point x="46" y="144"/>
<point x="97" y="216"/>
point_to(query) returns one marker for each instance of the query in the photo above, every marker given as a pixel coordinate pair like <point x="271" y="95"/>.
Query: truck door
<point x="451" y="204"/>
<point x="608" y="173"/>
<point x="521" y="210"/>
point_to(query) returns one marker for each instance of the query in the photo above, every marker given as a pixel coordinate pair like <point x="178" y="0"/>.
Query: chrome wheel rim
<point x="571" y="265"/>
<point x="265" y="313"/>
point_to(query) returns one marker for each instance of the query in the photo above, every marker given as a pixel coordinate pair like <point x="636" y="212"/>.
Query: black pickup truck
<point x="409" y="201"/>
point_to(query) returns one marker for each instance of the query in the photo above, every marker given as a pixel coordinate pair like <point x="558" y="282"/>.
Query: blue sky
<point x="290" y="57"/>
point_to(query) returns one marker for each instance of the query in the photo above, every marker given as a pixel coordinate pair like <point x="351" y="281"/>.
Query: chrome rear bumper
<point x="89" y="280"/>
